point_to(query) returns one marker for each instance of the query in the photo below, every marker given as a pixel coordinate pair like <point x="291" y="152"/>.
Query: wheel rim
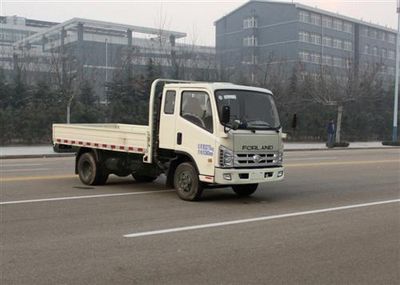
<point x="185" y="181"/>
<point x="87" y="170"/>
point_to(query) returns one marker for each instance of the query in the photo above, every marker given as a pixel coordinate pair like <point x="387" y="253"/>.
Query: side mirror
<point x="226" y="114"/>
<point x="235" y="125"/>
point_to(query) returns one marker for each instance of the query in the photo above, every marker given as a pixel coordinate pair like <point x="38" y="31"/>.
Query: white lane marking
<point x="81" y="197"/>
<point x="310" y="158"/>
<point x="20" y="164"/>
<point x="25" y="169"/>
<point x="258" y="219"/>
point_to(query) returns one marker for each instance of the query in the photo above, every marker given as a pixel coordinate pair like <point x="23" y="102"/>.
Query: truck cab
<point x="231" y="133"/>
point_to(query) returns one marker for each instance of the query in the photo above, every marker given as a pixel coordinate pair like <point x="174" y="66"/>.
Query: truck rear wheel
<point x="144" y="178"/>
<point x="187" y="183"/>
<point x="90" y="172"/>
<point x="245" y="189"/>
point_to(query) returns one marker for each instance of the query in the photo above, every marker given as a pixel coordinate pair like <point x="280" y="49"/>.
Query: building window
<point x="327" y="60"/>
<point x="383" y="68"/>
<point x="327" y="22"/>
<point x="337" y="25"/>
<point x="347" y="27"/>
<point x="327" y="41"/>
<point x="304" y="36"/>
<point x="250" y="41"/>
<point x="315" y="19"/>
<point x="337" y="43"/>
<point x="316" y="39"/>
<point x="246" y="24"/>
<point x="347" y="45"/>
<point x="304" y="56"/>
<point x="250" y="59"/>
<point x="391" y="38"/>
<point x="315" y="58"/>
<point x="337" y="62"/>
<point x="375" y="51"/>
<point x="391" y="54"/>
<point x="364" y="31"/>
<point x="372" y="33"/>
<point x="315" y="76"/>
<point x="304" y="17"/>
<point x="12" y="36"/>
<point x="391" y="70"/>
<point x="366" y="49"/>
<point x="348" y="63"/>
<point x="304" y="75"/>
<point x="250" y="22"/>
<point x="384" y="53"/>
<point x="382" y="35"/>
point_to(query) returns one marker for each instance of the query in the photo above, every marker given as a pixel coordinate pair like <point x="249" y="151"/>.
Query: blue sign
<point x="205" y="149"/>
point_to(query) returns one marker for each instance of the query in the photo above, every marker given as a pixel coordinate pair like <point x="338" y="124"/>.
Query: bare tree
<point x="63" y="67"/>
<point x="337" y="88"/>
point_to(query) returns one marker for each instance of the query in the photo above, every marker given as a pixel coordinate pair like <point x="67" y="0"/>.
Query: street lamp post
<point x="106" y="79"/>
<point x="106" y="59"/>
<point x="396" y="86"/>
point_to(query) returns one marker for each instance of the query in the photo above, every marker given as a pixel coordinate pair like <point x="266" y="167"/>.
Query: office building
<point x="261" y="34"/>
<point x="14" y="29"/>
<point x="93" y="50"/>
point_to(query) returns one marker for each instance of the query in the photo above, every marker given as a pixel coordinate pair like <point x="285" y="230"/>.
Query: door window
<point x="169" y="104"/>
<point x="196" y="108"/>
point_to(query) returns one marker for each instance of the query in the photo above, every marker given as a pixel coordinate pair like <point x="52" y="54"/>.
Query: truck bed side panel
<point x="117" y="137"/>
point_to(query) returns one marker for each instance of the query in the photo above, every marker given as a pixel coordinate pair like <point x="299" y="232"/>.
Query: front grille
<point x="256" y="159"/>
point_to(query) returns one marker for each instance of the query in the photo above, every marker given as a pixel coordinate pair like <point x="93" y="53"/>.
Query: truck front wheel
<point x="90" y="172"/>
<point x="187" y="183"/>
<point x="245" y="189"/>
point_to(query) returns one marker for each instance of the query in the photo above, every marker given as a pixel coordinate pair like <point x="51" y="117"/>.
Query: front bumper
<point x="248" y="176"/>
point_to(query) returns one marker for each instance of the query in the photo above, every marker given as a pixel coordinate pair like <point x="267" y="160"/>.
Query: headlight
<point x="225" y="157"/>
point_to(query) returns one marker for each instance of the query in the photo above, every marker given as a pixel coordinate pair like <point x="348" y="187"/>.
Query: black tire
<point x="245" y="190"/>
<point x="90" y="172"/>
<point x="143" y="178"/>
<point x="187" y="183"/>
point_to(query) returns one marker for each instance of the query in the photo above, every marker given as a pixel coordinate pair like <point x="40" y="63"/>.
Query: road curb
<point x="342" y="148"/>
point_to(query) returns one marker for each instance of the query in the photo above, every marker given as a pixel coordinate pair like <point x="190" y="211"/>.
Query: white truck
<point x="200" y="135"/>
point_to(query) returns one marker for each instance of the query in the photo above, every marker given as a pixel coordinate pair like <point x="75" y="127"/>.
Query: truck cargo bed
<point x="115" y="137"/>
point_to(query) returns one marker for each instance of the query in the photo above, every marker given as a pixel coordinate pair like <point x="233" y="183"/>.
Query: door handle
<point x="179" y="138"/>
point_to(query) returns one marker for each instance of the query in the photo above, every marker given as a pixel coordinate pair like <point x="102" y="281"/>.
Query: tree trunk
<point x="339" y="123"/>
<point x="68" y="114"/>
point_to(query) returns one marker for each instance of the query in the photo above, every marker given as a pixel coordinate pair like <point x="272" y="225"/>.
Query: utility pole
<point x="106" y="58"/>
<point x="396" y="86"/>
<point x="106" y="82"/>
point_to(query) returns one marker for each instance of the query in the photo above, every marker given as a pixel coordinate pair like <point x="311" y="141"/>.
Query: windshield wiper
<point x="258" y="123"/>
<point x="261" y="124"/>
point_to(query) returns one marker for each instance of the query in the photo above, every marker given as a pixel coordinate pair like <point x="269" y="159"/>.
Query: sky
<point x="194" y="17"/>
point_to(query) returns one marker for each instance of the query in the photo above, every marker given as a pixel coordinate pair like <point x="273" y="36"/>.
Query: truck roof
<point x="217" y="86"/>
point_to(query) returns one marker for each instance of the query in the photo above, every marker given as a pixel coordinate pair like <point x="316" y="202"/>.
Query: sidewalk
<point x="30" y="152"/>
<point x="47" y="151"/>
<point x="322" y="146"/>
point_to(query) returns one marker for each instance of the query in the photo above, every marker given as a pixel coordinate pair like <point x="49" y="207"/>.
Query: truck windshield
<point x="248" y="109"/>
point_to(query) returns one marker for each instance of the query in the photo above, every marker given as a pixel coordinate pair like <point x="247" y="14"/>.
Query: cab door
<point x="195" y="130"/>
<point x="168" y="116"/>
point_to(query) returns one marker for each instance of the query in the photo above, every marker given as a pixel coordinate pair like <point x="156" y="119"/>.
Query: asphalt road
<point x="334" y="220"/>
